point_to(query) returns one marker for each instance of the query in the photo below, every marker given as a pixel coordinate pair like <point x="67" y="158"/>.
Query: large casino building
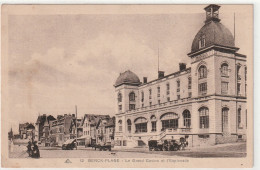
<point x="204" y="104"/>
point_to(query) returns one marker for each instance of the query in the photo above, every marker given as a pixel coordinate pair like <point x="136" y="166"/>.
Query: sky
<point x="59" y="61"/>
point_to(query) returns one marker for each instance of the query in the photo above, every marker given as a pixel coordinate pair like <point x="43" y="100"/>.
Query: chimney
<point x="182" y="66"/>
<point x="160" y="74"/>
<point x="145" y="80"/>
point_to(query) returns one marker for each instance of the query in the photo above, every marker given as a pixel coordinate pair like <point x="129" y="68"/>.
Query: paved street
<point x="224" y="150"/>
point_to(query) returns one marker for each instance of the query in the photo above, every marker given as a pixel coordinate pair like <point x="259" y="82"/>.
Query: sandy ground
<point x="223" y="150"/>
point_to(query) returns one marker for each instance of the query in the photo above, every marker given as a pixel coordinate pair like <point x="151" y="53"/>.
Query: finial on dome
<point x="212" y="13"/>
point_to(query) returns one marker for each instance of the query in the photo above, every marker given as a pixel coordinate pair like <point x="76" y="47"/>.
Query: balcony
<point x="170" y="131"/>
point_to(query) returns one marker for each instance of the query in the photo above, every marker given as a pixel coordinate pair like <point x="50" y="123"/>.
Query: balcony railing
<point x="177" y="130"/>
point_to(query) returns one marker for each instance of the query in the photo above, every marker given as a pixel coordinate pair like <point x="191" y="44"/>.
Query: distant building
<point x="105" y="129"/>
<point x="62" y="129"/>
<point x="204" y="104"/>
<point x="22" y="130"/>
<point x="27" y="131"/>
<point x="10" y="134"/>
<point x="89" y="124"/>
<point x="30" y="131"/>
<point x="42" y="128"/>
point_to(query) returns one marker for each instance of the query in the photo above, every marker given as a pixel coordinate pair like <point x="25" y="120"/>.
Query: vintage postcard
<point x="127" y="86"/>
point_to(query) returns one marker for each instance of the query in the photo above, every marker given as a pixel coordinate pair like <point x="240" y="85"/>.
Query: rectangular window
<point x="204" y="122"/>
<point x="153" y="126"/>
<point x="150" y="92"/>
<point x="150" y="103"/>
<point x="168" y="99"/>
<point x="238" y="89"/>
<point x="202" y="88"/>
<point x="189" y="83"/>
<point x="224" y="87"/>
<point x="239" y="118"/>
<point x="129" y="128"/>
<point x="131" y="106"/>
<point x="119" y="108"/>
<point x="142" y="105"/>
<point x="190" y="94"/>
<point x="159" y="101"/>
<point x="167" y="89"/>
<point x="178" y="97"/>
<point x="120" y="128"/>
<point x="141" y="127"/>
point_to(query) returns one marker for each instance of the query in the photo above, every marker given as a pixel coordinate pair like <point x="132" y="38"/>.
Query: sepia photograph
<point x="134" y="86"/>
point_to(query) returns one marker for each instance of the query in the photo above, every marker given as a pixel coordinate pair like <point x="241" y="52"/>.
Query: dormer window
<point x="202" y="41"/>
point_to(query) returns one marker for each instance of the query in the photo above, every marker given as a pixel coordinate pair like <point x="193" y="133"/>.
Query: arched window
<point x="239" y="118"/>
<point x="202" y="72"/>
<point x="186" y="118"/>
<point x="119" y="97"/>
<point x="129" y="125"/>
<point x="132" y="96"/>
<point x="225" y="119"/>
<point x="140" y="125"/>
<point x="142" y="94"/>
<point x="153" y="121"/>
<point x="169" y="120"/>
<point x="224" y="69"/>
<point x="120" y="125"/>
<point x="204" y="117"/>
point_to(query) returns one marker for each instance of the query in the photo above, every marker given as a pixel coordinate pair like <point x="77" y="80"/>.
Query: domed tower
<point x="218" y="78"/>
<point x="126" y="88"/>
<point x="127" y="91"/>
<point x="212" y="46"/>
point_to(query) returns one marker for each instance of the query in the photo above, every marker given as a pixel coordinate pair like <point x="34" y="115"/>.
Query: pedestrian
<point x="29" y="148"/>
<point x="35" y="150"/>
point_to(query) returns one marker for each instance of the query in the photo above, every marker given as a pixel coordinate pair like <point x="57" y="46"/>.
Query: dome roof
<point x="215" y="34"/>
<point x="127" y="77"/>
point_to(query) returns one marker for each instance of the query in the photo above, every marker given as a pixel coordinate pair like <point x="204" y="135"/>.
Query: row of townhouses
<point x="88" y="130"/>
<point x="51" y="131"/>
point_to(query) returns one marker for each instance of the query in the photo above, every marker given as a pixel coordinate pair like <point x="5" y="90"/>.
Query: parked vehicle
<point x="166" y="145"/>
<point x="69" y="144"/>
<point x="103" y="146"/>
<point x="155" y="145"/>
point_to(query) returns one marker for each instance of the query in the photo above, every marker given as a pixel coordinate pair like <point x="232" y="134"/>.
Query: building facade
<point x="62" y="129"/>
<point x="89" y="125"/>
<point x="205" y="103"/>
<point x="105" y="130"/>
<point x="42" y="128"/>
